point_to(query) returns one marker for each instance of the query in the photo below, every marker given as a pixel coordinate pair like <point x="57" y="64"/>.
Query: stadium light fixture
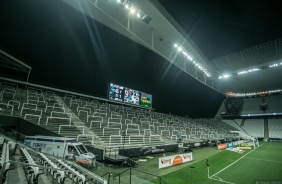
<point x="127" y="6"/>
<point x="179" y="49"/>
<point x="132" y="10"/>
<point x="189" y="57"/>
<point x="224" y="76"/>
<point x="273" y="65"/>
<point x="248" y="71"/>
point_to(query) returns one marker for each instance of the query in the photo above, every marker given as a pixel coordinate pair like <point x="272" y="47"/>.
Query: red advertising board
<point x="221" y="146"/>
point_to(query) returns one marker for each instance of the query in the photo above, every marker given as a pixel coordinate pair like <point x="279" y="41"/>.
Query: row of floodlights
<point x="135" y="11"/>
<point x="254" y="93"/>
<point x="224" y="76"/>
<point x="190" y="58"/>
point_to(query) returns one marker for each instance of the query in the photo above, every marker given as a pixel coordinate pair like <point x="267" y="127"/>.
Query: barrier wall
<point x="228" y="145"/>
<point x="133" y="152"/>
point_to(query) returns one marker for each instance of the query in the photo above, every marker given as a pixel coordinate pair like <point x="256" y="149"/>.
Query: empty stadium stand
<point x="104" y="125"/>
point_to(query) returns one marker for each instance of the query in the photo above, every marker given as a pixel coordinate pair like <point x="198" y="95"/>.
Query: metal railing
<point x="60" y="127"/>
<point x="161" y="180"/>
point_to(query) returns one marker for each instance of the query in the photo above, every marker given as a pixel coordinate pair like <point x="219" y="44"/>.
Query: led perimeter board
<point x="131" y="96"/>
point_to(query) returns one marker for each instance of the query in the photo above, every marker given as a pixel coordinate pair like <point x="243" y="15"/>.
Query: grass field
<point x="261" y="164"/>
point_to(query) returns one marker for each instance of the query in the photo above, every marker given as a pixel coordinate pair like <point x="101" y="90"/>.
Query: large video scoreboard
<point x="131" y="96"/>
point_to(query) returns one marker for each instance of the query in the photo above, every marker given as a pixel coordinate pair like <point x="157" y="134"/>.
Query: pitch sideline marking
<point x="236" y="161"/>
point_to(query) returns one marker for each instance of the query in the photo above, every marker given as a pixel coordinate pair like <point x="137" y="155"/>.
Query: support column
<point x="266" y="130"/>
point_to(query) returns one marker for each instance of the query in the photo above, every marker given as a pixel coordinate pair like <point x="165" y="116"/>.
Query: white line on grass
<point x="235" y="161"/>
<point x="220" y="180"/>
<point x="264" y="160"/>
<point x="218" y="177"/>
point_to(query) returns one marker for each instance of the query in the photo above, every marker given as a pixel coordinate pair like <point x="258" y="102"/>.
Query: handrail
<point x="121" y="173"/>
<point x="109" y="176"/>
<point x="161" y="179"/>
<point x="33" y="115"/>
<point x="49" y="117"/>
<point x="71" y="126"/>
<point x="86" y="135"/>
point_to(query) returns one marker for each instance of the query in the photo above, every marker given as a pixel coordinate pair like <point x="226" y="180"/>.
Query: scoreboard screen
<point x="116" y="92"/>
<point x="131" y="96"/>
<point x="146" y="100"/>
<point x="127" y="95"/>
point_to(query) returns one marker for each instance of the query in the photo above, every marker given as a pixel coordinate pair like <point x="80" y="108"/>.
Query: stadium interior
<point x="230" y="100"/>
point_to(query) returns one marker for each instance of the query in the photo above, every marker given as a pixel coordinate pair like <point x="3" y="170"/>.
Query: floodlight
<point x="179" y="49"/>
<point x="225" y="76"/>
<point x="190" y="58"/>
<point x="127" y="6"/>
<point x="243" y="72"/>
<point x="185" y="54"/>
<point x="175" y="45"/>
<point x="132" y="10"/>
<point x="273" y="65"/>
<point x="118" y="1"/>
<point x="141" y="14"/>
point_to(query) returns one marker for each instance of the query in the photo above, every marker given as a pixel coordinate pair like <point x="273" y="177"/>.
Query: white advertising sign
<point x="174" y="160"/>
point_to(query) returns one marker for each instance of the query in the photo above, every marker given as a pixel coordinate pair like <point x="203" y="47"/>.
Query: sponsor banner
<point x="275" y="140"/>
<point x="133" y="152"/>
<point x="235" y="150"/>
<point x="221" y="146"/>
<point x="229" y="144"/>
<point x="195" y="144"/>
<point x="174" y="160"/>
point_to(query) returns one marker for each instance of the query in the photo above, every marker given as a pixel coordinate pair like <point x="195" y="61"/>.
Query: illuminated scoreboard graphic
<point x="128" y="95"/>
<point x="146" y="100"/>
<point x="116" y="92"/>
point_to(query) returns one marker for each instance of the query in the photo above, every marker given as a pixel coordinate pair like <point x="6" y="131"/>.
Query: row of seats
<point x="61" y="171"/>
<point x="56" y="174"/>
<point x="4" y="161"/>
<point x="32" y="172"/>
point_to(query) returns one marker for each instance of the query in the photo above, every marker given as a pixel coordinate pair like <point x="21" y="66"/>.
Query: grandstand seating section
<point x="34" y="167"/>
<point x="103" y="124"/>
<point x="275" y="128"/>
<point x="252" y="105"/>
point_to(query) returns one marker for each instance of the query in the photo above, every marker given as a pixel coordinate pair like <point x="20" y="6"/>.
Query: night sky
<point x="55" y="40"/>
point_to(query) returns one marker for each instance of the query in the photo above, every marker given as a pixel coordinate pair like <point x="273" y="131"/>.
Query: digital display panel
<point x="146" y="100"/>
<point x="131" y="96"/>
<point x="128" y="95"/>
<point x="116" y="92"/>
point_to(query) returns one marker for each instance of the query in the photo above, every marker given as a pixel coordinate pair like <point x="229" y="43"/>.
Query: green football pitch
<point x="258" y="166"/>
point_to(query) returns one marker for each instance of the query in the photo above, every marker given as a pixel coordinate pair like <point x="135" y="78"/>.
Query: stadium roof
<point x="163" y="31"/>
